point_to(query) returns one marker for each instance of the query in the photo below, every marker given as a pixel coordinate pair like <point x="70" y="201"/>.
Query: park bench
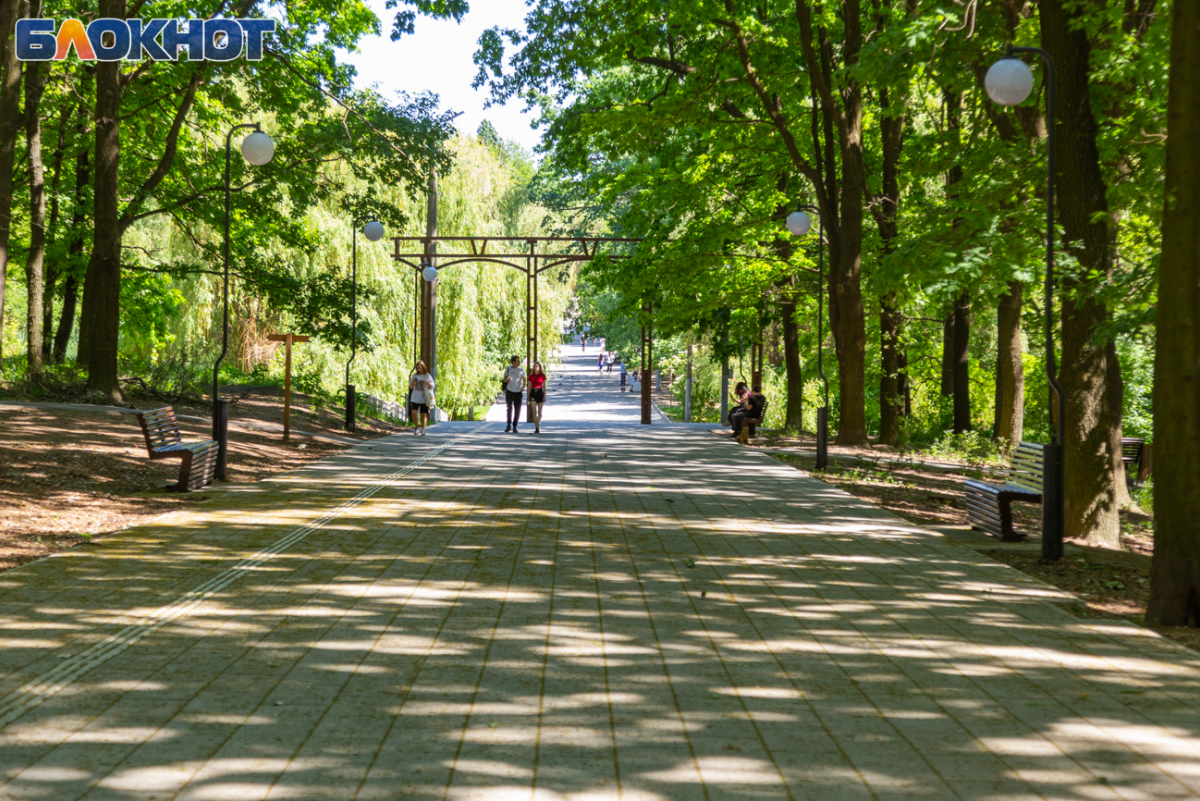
<point x="1132" y="449"/>
<point x="163" y="441"/>
<point x="989" y="506"/>
<point x="748" y="424"/>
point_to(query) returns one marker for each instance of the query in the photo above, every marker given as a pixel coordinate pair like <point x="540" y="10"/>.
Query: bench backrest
<point x="1026" y="469"/>
<point x="160" y="427"/>
<point x="1131" y="450"/>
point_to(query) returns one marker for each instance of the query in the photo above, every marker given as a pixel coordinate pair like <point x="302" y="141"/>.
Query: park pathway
<point x="606" y="611"/>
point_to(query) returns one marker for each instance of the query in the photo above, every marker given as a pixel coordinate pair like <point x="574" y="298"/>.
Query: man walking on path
<point x="624" y="374"/>
<point x="514" y="385"/>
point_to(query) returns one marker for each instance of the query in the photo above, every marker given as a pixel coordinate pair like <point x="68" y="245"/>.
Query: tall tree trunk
<point x="948" y="355"/>
<point x="99" y="325"/>
<point x="1175" y="570"/>
<point x="851" y="325"/>
<point x="843" y="104"/>
<point x="66" y="321"/>
<point x="35" y="85"/>
<point x="794" y="376"/>
<point x="53" y="268"/>
<point x="1090" y="481"/>
<point x="891" y="387"/>
<point x="891" y="400"/>
<point x="962" y="363"/>
<point x="791" y="359"/>
<point x="83" y="177"/>
<point x="1010" y="371"/>
<point x="10" y="126"/>
<point x="1115" y="388"/>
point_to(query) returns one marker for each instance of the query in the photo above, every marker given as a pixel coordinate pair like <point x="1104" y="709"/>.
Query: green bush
<point x="973" y="447"/>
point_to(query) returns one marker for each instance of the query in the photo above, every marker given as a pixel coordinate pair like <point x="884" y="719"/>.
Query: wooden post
<point x="287" y="340"/>
<point x="756" y="363"/>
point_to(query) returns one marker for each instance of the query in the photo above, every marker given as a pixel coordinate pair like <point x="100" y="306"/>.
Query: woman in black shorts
<point x="420" y="399"/>
<point x="537" y="395"/>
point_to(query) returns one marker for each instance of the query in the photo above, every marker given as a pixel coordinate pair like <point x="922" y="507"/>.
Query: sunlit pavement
<point x="605" y="611"/>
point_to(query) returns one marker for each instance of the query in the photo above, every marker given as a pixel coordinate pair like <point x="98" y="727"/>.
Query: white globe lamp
<point x="799" y="223"/>
<point x="258" y="148"/>
<point x="1009" y="81"/>
<point x="429" y="273"/>
<point x="373" y="230"/>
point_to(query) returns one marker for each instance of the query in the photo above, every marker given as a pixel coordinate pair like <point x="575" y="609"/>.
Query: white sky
<point x="437" y="58"/>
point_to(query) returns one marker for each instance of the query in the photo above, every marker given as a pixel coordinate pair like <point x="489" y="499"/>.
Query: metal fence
<point x="388" y="410"/>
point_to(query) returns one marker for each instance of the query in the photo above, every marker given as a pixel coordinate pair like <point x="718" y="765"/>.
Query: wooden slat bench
<point x="989" y="506"/>
<point x="748" y="425"/>
<point x="1132" y="449"/>
<point x="163" y="441"/>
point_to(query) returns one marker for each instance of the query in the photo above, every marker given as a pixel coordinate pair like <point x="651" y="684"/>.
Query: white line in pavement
<point x="20" y="701"/>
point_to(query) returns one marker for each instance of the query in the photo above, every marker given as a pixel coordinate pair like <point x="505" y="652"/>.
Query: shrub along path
<point x="607" y="611"/>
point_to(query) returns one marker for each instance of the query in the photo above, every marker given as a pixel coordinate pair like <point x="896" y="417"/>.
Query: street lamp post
<point x="258" y="149"/>
<point x="800" y="223"/>
<point x="1009" y="82"/>
<point x="373" y="231"/>
<point x="429" y="274"/>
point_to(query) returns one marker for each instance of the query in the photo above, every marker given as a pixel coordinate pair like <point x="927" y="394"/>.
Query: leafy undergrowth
<point x="68" y="477"/>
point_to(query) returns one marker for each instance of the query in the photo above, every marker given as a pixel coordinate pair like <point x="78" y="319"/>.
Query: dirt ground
<point x="68" y="477"/>
<point x="1109" y="584"/>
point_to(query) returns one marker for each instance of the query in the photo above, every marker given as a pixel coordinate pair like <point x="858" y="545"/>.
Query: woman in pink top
<point x="537" y="395"/>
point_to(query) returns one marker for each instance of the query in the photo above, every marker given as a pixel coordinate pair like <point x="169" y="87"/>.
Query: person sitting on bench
<point x="752" y="408"/>
<point x="740" y="391"/>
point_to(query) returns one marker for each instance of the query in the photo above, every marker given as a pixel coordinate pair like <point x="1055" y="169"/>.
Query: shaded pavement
<point x="606" y="611"/>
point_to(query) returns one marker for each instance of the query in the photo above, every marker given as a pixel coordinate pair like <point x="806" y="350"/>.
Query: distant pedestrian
<point x="420" y="399"/>
<point x="583" y="340"/>
<point x="537" y="395"/>
<point x="611" y="359"/>
<point x="514" y="385"/>
<point x="600" y="362"/>
<point x="624" y="374"/>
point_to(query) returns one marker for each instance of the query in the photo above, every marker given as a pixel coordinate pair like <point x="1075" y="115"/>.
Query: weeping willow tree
<point x="173" y="319"/>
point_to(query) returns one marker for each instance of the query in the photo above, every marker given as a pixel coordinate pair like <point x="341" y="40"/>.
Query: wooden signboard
<point x="287" y="339"/>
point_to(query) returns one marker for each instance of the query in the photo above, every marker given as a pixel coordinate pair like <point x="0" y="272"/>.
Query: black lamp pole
<point x="221" y="407"/>
<point x="1053" y="497"/>
<point x="351" y="400"/>
<point x="823" y="412"/>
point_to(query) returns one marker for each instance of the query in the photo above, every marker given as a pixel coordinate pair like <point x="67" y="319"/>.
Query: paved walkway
<point x="578" y="392"/>
<point x="603" y="612"/>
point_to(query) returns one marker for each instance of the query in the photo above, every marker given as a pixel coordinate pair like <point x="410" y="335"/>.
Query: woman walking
<point x="420" y="399"/>
<point x="600" y="362"/>
<point x="537" y="395"/>
<point x="514" y="385"/>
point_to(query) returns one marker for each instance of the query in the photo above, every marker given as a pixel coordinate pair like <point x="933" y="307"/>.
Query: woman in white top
<point x="420" y="399"/>
<point x="514" y="385"/>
